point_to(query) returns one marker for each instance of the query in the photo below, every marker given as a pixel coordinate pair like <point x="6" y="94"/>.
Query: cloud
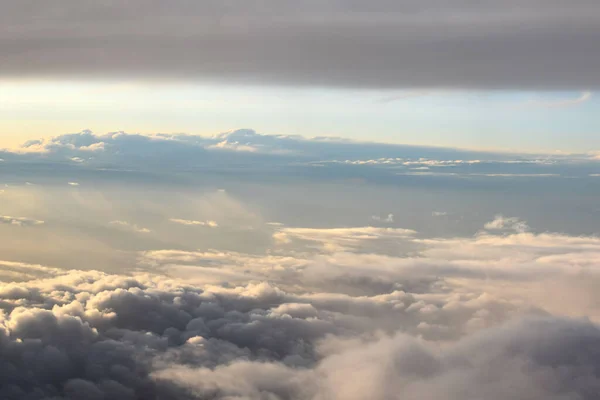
<point x="388" y="219"/>
<point x="502" y="223"/>
<point x="446" y="44"/>
<point x="583" y="98"/>
<point x="527" y="353"/>
<point x="86" y="334"/>
<point x="451" y="317"/>
<point x="20" y="221"/>
<point x="190" y="222"/>
<point x="235" y="146"/>
<point x="336" y="239"/>
<point x="130" y="227"/>
<point x="168" y="152"/>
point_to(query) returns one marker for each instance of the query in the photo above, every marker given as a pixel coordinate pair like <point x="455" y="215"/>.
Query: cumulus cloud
<point x="235" y="146"/>
<point x="503" y="223"/>
<point x="81" y="335"/>
<point x="452" y="318"/>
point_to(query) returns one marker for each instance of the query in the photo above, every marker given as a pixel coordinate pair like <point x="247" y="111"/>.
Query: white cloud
<point x="559" y="103"/>
<point x="190" y="222"/>
<point x="388" y="219"/>
<point x="20" y="221"/>
<point x="130" y="227"/>
<point x="503" y="223"/>
<point x="235" y="146"/>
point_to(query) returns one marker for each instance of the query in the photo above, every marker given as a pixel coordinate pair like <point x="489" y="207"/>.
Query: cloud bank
<point x="450" y="318"/>
<point x="87" y="334"/>
<point x="531" y="44"/>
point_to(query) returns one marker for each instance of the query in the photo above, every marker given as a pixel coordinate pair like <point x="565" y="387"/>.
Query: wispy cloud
<point x="406" y="95"/>
<point x="558" y="103"/>
<point x="191" y="222"/>
<point x="388" y="219"/>
<point x="130" y="227"/>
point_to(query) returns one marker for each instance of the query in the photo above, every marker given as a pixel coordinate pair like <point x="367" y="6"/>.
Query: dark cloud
<point x="88" y="335"/>
<point x="530" y="44"/>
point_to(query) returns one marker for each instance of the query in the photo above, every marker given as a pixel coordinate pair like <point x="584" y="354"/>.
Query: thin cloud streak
<point x="584" y="97"/>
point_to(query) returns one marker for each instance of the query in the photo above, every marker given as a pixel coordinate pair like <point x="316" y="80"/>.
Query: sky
<point x="299" y="200"/>
<point x="531" y="121"/>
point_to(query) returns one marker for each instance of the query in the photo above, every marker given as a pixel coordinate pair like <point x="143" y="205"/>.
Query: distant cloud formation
<point x="559" y="103"/>
<point x="189" y="222"/>
<point x="387" y="219"/>
<point x="19" y="221"/>
<point x="502" y="223"/>
<point x="130" y="227"/>
<point x="444" y="44"/>
<point x="204" y="296"/>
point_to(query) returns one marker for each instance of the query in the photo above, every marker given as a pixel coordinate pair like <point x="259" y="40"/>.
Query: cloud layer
<point x="209" y="300"/>
<point x="531" y="44"/>
<point x="81" y="335"/>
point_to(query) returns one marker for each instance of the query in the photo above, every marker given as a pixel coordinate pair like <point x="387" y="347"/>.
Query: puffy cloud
<point x="327" y="313"/>
<point x="436" y="321"/>
<point x="503" y="223"/>
<point x="542" y="358"/>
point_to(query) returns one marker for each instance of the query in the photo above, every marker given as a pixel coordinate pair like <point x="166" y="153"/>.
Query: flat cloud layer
<point x="516" y="44"/>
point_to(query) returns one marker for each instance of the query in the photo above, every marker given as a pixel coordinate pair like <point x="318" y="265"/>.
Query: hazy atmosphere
<point x="309" y="200"/>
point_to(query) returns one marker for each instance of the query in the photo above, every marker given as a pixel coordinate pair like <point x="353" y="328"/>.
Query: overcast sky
<point x="514" y="44"/>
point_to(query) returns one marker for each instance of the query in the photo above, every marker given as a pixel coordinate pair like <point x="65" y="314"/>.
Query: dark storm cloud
<point x="531" y="44"/>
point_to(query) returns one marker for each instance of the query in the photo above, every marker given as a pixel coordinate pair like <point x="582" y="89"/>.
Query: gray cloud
<point x="530" y="44"/>
<point x="82" y="335"/>
<point x="312" y="316"/>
